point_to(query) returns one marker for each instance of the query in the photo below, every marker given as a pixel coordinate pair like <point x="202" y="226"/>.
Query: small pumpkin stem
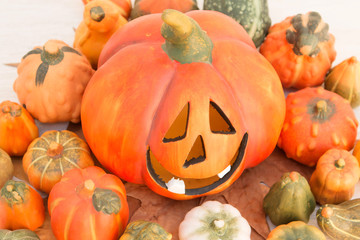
<point x="51" y="48"/>
<point x="13" y="111"/>
<point x="340" y="163"/>
<point x="294" y="176"/>
<point x="219" y="227"/>
<point x="219" y="223"/>
<point x="55" y="150"/>
<point x="321" y="109"/>
<point x="185" y="41"/>
<point x="327" y="212"/>
<point x="97" y="13"/>
<point x="89" y="185"/>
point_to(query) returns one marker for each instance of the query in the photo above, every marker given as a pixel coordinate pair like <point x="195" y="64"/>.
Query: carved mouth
<point x="192" y="186"/>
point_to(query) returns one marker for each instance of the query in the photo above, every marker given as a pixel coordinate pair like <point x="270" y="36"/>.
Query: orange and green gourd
<point x="301" y="50"/>
<point x="340" y="221"/>
<point x="344" y="79"/>
<point x="145" y="230"/>
<point x="316" y="120"/>
<point x="289" y="199"/>
<point x="296" y="230"/>
<point x="19" y="234"/>
<point x="38" y="84"/>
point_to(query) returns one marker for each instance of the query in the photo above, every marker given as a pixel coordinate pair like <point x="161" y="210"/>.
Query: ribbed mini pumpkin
<point x="51" y="81"/>
<point x="301" y="50"/>
<point x="296" y="230"/>
<point x="101" y="19"/>
<point x="344" y="79"/>
<point x="340" y="221"/>
<point x="334" y="179"/>
<point x="289" y="199"/>
<point x="145" y="7"/>
<point x="316" y="120"/>
<point x="17" y="128"/>
<point x="51" y="155"/>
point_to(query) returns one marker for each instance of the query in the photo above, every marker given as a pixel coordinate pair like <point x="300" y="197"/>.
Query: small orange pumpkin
<point x="51" y="81"/>
<point x="17" y="128"/>
<point x="301" y="50"/>
<point x="20" y="206"/>
<point x="51" y="155"/>
<point x="101" y="19"/>
<point x="344" y="79"/>
<point x="125" y="6"/>
<point x="316" y="120"/>
<point x="144" y="7"/>
<point x="335" y="176"/>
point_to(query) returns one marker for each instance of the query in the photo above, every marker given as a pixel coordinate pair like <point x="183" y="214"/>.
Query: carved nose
<point x="196" y="154"/>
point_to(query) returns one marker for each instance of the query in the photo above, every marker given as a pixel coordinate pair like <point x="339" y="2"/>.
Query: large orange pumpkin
<point x="184" y="114"/>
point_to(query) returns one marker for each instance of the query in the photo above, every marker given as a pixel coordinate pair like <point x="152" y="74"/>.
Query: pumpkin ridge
<point x="252" y="30"/>
<point x="44" y="171"/>
<point x="71" y="162"/>
<point x="35" y="160"/>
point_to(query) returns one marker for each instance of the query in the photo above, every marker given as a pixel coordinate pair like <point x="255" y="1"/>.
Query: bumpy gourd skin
<point x="252" y="15"/>
<point x="23" y="234"/>
<point x="144" y="230"/>
<point x="289" y="199"/>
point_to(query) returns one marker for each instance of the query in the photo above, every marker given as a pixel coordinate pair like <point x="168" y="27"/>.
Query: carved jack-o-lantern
<point x="184" y="114"/>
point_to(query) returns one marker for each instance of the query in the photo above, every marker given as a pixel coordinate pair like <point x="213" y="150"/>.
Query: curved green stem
<point x="185" y="41"/>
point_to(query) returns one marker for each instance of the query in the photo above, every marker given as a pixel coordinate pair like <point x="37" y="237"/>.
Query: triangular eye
<point x="219" y="123"/>
<point x="196" y="154"/>
<point x="177" y="130"/>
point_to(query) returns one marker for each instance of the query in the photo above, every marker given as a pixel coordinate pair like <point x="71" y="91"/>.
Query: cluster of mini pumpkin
<point x="315" y="121"/>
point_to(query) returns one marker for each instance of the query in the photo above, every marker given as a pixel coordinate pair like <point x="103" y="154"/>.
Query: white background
<point x="28" y="23"/>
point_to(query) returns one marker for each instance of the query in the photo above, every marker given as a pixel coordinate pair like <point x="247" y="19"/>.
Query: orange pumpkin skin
<point x="88" y="204"/>
<point x="300" y="56"/>
<point x="144" y="7"/>
<point x="125" y="6"/>
<point x="100" y="20"/>
<point x="316" y="120"/>
<point x="334" y="179"/>
<point x="17" y="128"/>
<point x="39" y="89"/>
<point x="51" y="155"/>
<point x="141" y="92"/>
<point x="20" y="206"/>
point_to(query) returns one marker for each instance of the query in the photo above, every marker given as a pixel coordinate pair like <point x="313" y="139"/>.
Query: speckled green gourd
<point x="341" y="221"/>
<point x="23" y="234"/>
<point x="289" y="199"/>
<point x="253" y="15"/>
<point x="296" y="230"/>
<point x="145" y="230"/>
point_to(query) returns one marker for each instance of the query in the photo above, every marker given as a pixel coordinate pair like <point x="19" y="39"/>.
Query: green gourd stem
<point x="106" y="201"/>
<point x="185" y="41"/>
<point x="97" y="13"/>
<point x="51" y="53"/>
<point x="13" y="111"/>
<point x="219" y="227"/>
<point x="340" y="163"/>
<point x="14" y="192"/>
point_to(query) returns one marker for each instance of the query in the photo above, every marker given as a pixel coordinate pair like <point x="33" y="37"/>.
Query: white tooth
<point x="176" y="186"/>
<point x="225" y="171"/>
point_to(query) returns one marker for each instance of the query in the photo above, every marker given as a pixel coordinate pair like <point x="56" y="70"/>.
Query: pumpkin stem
<point x="14" y="192"/>
<point x="97" y="13"/>
<point x="185" y="41"/>
<point x="327" y="212"/>
<point x="294" y="176"/>
<point x="321" y="109"/>
<point x="340" y="163"/>
<point x="89" y="185"/>
<point x="106" y="201"/>
<point x="219" y="227"/>
<point x="14" y="111"/>
<point x="55" y="150"/>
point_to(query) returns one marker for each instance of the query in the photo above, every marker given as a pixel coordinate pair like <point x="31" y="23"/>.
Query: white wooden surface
<point x="28" y="23"/>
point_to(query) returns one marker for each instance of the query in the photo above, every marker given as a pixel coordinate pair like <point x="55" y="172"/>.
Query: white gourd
<point x="214" y="221"/>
